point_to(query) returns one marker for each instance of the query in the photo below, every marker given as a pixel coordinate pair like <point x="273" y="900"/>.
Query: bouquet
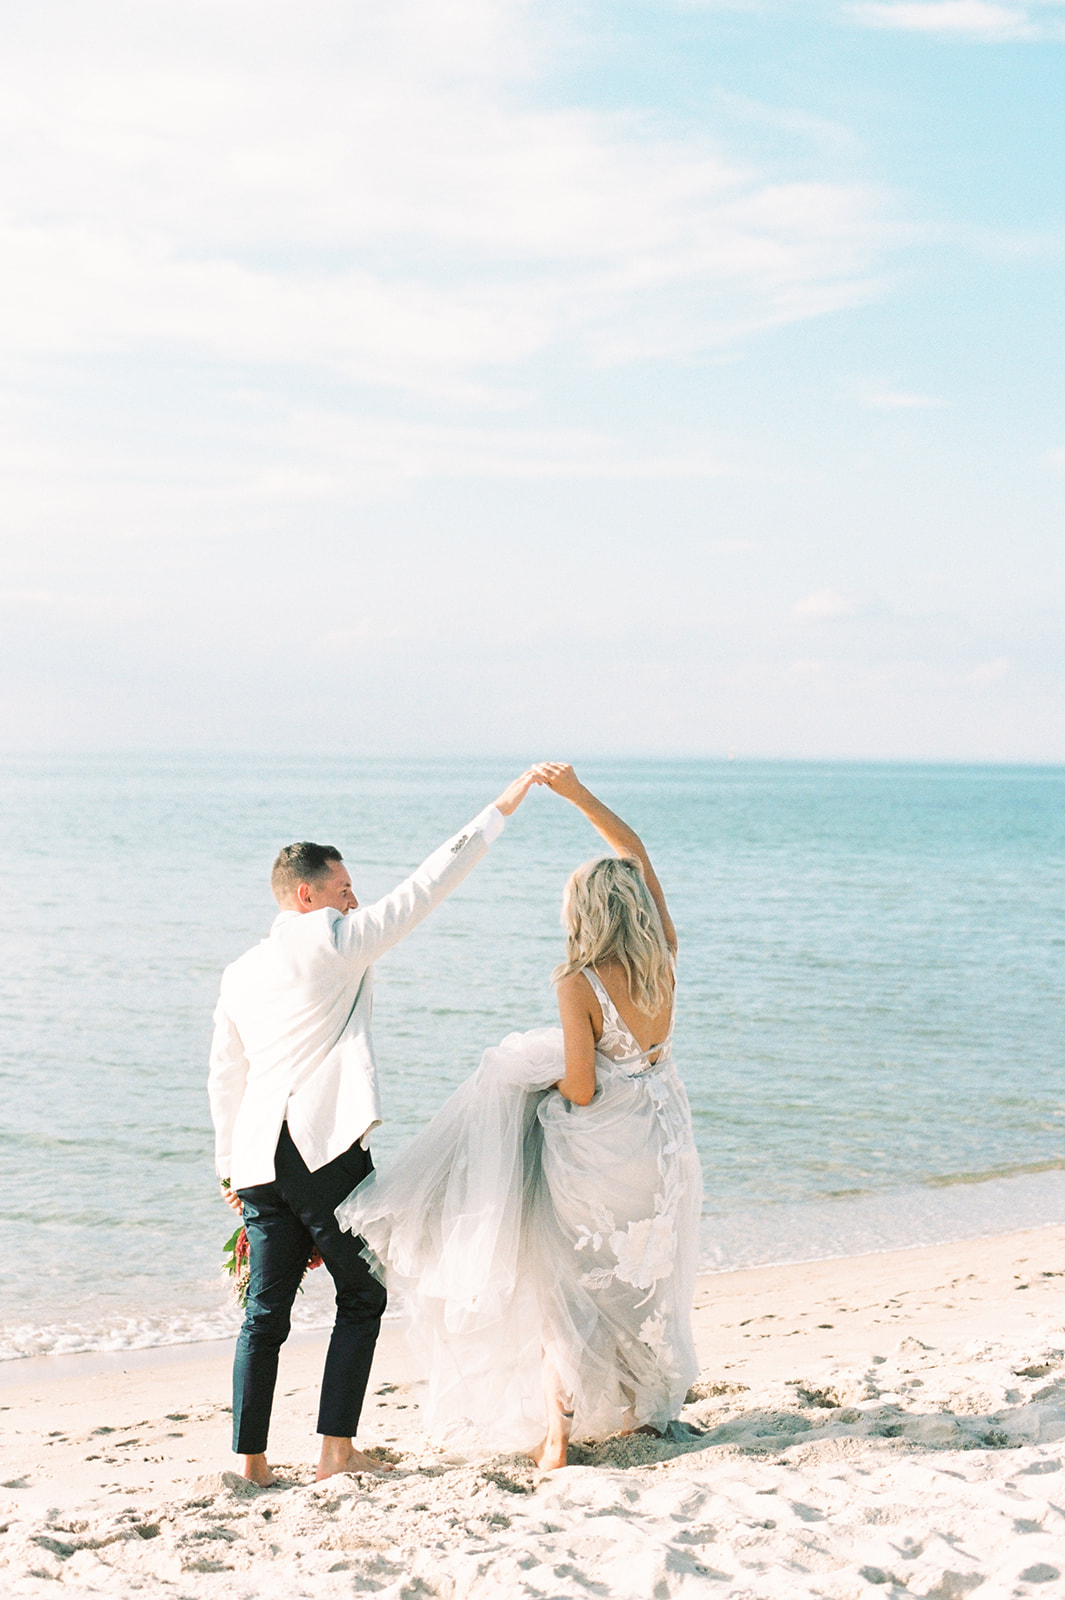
<point x="237" y="1262"/>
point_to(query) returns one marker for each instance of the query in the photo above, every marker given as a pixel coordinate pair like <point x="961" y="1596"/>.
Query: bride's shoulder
<point x="575" y="995"/>
<point x="573" y="984"/>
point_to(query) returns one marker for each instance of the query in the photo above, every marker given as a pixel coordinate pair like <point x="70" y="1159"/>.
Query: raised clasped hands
<point x="559" y="777"/>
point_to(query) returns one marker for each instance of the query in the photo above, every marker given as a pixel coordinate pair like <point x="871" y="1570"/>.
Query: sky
<point x="535" y="378"/>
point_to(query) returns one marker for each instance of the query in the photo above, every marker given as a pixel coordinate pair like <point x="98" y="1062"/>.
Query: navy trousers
<point x="283" y="1220"/>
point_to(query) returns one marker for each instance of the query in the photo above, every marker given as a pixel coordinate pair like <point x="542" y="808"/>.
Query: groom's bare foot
<point x="340" y="1455"/>
<point x="256" y="1471"/>
<point x="549" y="1454"/>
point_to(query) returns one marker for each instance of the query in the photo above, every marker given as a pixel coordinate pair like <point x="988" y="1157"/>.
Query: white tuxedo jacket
<point x="292" y="1025"/>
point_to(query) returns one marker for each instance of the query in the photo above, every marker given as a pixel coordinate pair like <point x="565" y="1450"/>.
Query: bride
<point x="543" y="1228"/>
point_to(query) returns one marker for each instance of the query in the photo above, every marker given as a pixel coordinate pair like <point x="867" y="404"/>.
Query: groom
<point x="294" y="1097"/>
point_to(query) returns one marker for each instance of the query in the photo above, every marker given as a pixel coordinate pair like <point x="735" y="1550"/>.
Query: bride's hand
<point x="560" y="777"/>
<point x="515" y="792"/>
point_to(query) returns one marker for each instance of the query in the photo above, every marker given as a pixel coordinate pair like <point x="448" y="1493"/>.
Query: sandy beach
<point x="887" y="1425"/>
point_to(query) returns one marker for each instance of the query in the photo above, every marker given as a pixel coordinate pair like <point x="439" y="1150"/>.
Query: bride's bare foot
<point x="340" y="1455"/>
<point x="256" y="1471"/>
<point x="549" y="1454"/>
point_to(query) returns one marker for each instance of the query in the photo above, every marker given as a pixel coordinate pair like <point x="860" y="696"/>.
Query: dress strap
<point x="599" y="990"/>
<point x="612" y="1017"/>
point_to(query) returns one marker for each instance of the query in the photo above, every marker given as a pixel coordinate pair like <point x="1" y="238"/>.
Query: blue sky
<point x="535" y="378"/>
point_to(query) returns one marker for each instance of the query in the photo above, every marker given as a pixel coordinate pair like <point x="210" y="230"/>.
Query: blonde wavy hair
<point x="609" y="914"/>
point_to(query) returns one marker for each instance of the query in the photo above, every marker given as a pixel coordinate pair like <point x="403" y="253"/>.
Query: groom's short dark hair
<point x="301" y="863"/>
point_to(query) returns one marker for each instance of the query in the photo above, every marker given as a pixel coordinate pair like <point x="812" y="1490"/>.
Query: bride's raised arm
<point x="560" y="777"/>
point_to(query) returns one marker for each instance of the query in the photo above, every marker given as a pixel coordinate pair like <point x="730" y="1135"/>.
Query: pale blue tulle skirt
<point x="518" y="1227"/>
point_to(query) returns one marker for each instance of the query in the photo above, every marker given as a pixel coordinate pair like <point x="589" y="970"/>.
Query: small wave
<point x="20" y="1341"/>
<point x="115" y="1330"/>
<point x="1019" y="1169"/>
<point x="889" y="1219"/>
<point x="123" y="1333"/>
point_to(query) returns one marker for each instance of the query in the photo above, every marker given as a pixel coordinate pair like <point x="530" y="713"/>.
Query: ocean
<point x="870" y="1006"/>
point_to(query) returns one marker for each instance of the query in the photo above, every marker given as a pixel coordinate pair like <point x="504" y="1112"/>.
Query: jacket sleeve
<point x="371" y="930"/>
<point x="226" y="1080"/>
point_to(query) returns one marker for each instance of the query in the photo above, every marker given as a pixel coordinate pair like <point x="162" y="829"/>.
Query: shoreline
<point x="774" y="1236"/>
<point x="889" y="1424"/>
<point x="22" y="1370"/>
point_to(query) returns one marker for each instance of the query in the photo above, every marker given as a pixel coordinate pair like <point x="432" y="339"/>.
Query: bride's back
<point x="649" y="1028"/>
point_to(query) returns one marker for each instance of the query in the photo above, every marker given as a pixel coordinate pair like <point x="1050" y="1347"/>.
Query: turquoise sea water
<point x="870" y="1024"/>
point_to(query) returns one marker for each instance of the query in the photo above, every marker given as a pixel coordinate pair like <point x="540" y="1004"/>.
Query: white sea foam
<point x="136" y="1333"/>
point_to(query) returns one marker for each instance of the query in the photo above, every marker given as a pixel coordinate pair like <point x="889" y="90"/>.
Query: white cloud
<point x="902" y="400"/>
<point x="363" y="452"/>
<point x="975" y="18"/>
<point x="812" y="672"/>
<point x="257" y="458"/>
<point x="989" y="671"/>
<point x="373" y="190"/>
<point x="62" y="606"/>
<point x="824" y="606"/>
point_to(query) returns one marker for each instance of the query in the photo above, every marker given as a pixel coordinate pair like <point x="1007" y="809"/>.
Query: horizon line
<point x="720" y="757"/>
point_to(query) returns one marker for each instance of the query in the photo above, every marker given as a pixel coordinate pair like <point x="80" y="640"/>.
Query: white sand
<point x="886" y="1426"/>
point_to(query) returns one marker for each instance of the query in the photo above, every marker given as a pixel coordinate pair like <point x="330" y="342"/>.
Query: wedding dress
<point x="519" y="1226"/>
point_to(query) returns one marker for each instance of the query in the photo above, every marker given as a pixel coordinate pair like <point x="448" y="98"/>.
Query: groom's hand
<point x="515" y="793"/>
<point x="231" y="1198"/>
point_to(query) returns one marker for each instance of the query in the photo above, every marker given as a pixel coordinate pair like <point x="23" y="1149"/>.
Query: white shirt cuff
<point x="490" y="822"/>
